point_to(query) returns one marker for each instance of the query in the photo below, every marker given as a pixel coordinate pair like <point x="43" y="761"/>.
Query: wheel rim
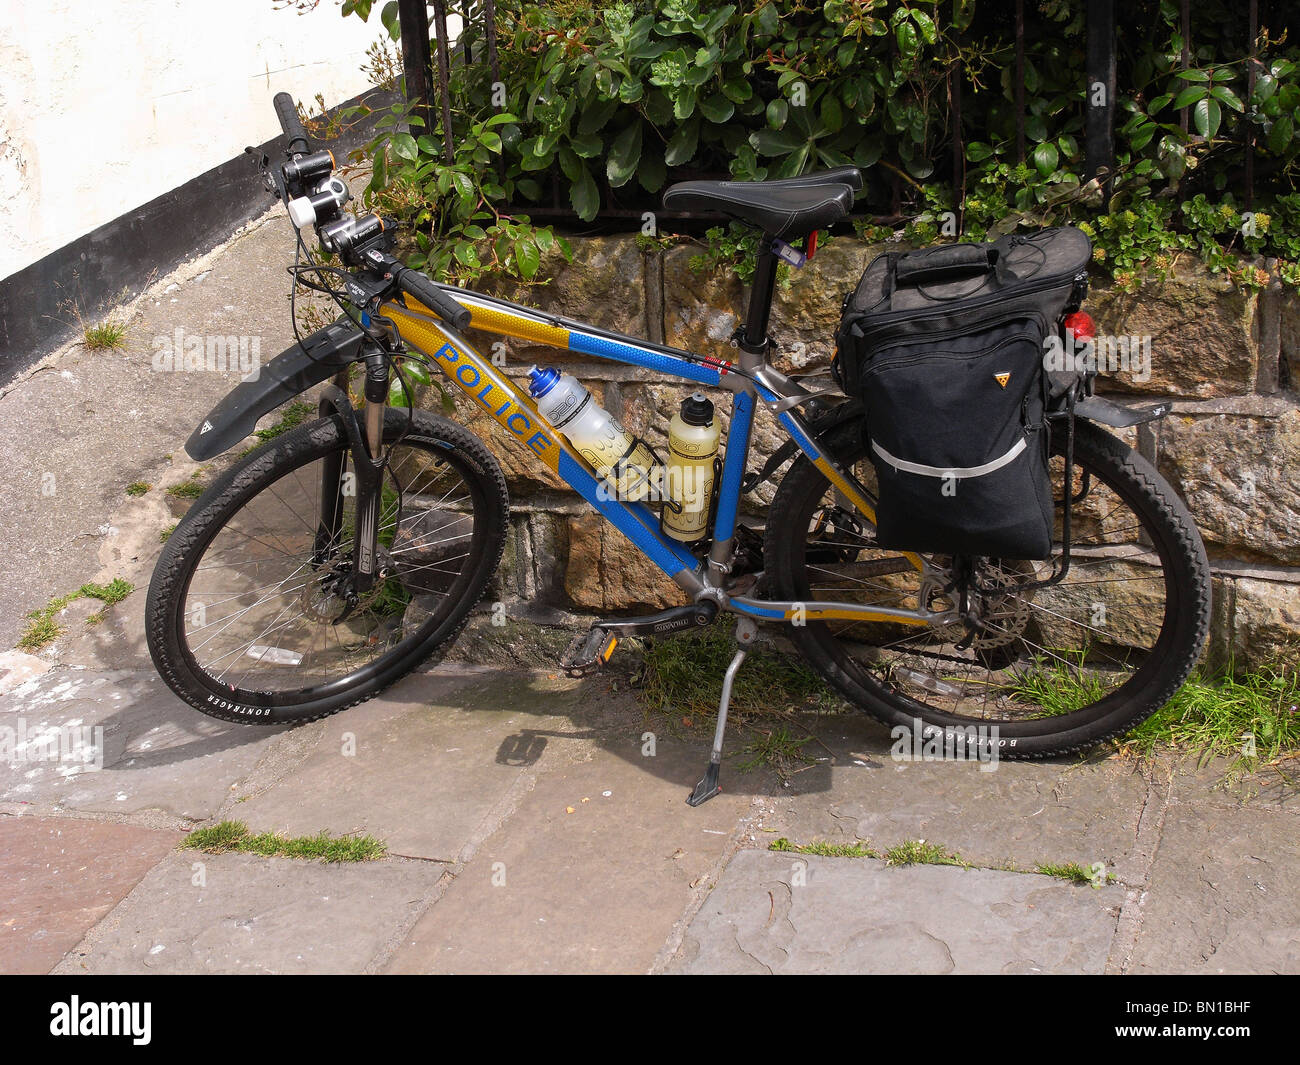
<point x="1055" y="659"/>
<point x="264" y="618"/>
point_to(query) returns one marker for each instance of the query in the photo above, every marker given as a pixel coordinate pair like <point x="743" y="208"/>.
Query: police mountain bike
<point x="335" y="558"/>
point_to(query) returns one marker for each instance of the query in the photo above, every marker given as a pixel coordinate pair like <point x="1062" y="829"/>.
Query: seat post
<point x="753" y="339"/>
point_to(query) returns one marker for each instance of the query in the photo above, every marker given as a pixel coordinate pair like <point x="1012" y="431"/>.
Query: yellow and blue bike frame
<point x="514" y="410"/>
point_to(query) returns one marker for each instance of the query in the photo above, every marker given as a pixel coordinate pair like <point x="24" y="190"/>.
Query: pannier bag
<point x="945" y="348"/>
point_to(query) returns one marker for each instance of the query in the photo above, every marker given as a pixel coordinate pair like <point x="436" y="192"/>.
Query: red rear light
<point x="1081" y="326"/>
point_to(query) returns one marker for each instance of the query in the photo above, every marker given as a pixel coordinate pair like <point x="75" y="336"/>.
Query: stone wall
<point x="1231" y="449"/>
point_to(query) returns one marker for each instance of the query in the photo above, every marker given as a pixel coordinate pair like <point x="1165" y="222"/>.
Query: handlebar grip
<point x="416" y="284"/>
<point x="287" y="112"/>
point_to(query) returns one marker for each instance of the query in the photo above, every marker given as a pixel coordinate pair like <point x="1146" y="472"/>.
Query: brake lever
<point x="264" y="170"/>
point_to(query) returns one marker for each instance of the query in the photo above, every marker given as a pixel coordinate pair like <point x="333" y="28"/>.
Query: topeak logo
<point x="102" y="1018"/>
<point x="1002" y="378"/>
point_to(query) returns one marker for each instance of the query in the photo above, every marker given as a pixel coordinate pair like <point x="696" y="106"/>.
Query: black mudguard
<point x="1096" y="409"/>
<point x="296" y="369"/>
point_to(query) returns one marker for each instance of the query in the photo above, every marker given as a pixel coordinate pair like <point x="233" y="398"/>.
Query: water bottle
<point x="569" y="408"/>
<point x="692" y="454"/>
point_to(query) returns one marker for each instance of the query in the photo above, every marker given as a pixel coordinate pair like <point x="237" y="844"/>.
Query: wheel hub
<point x="993" y="598"/>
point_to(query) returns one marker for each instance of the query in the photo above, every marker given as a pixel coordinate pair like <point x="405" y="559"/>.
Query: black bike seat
<point x="790" y="207"/>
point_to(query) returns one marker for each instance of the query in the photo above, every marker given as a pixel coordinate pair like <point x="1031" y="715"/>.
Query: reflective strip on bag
<point x="939" y="471"/>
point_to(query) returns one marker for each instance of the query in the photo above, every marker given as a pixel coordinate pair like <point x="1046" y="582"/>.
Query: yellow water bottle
<point x="692" y="452"/>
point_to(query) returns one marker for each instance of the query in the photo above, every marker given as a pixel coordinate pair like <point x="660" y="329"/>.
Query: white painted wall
<point x="106" y="104"/>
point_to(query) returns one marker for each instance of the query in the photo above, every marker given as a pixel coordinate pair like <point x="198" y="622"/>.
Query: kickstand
<point x="746" y="633"/>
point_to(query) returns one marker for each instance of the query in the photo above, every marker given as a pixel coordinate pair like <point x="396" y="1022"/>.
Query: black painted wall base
<point x="124" y="256"/>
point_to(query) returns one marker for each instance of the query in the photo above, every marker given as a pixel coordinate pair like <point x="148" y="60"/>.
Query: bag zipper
<point x="880" y="354"/>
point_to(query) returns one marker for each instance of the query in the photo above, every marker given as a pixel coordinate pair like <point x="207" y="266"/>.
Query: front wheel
<point x="1053" y="669"/>
<point x="254" y="614"/>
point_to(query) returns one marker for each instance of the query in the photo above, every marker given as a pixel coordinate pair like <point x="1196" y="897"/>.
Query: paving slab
<point x="784" y="913"/>
<point x="119" y="742"/>
<point x="85" y="424"/>
<point x="592" y="874"/>
<point x="1222" y="896"/>
<point x="59" y="877"/>
<point x="242" y="913"/>
<point x="1220" y="782"/>
<point x="424" y="766"/>
<point x="1018" y="815"/>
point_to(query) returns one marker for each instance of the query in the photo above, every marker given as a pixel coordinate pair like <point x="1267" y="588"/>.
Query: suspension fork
<point x="331" y="482"/>
<point x="369" y="488"/>
<point x="366" y="447"/>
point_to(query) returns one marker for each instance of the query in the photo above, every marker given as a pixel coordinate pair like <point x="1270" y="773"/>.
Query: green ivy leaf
<point x="905" y="33"/>
<point x="1045" y="158"/>
<point x="1207" y="115"/>
<point x="775" y="142"/>
<point x="717" y="108"/>
<point x="584" y="195"/>
<point x="1189" y="96"/>
<point x="624" y="154"/>
<point x="737" y="89"/>
<point x="404" y="147"/>
<point x="528" y="257"/>
<point x="1279" y="137"/>
<point x="651" y="173"/>
<point x="681" y="149"/>
<point x="1227" y="96"/>
<point x="978" y="151"/>
<point x="777" y="113"/>
<point x="586" y="145"/>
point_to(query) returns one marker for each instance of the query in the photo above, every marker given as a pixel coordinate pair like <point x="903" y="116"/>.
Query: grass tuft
<point x="919" y="852"/>
<point x="189" y="489"/>
<point x="1072" y="872"/>
<point x="823" y="849"/>
<point x="43" y="626"/>
<point x="681" y="679"/>
<point x="294" y="415"/>
<point x="138" y="488"/>
<point x="106" y="336"/>
<point x="1227" y="716"/>
<point x="235" y="836"/>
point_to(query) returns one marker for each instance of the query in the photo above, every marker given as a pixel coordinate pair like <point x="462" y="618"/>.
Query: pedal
<point x="588" y="652"/>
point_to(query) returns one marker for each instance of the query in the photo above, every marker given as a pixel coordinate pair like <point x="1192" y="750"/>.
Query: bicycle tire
<point x="262" y="468"/>
<point x="1183" y="633"/>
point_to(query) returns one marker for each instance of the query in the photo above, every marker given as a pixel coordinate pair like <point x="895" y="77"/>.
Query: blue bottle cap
<point x="542" y="380"/>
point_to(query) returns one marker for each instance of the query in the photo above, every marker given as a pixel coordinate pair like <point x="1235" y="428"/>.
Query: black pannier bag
<point x="945" y="348"/>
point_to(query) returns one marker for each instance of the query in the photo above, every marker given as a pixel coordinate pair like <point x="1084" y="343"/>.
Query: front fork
<point x="366" y="447"/>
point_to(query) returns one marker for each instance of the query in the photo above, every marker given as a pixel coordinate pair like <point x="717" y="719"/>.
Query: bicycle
<point x="335" y="558"/>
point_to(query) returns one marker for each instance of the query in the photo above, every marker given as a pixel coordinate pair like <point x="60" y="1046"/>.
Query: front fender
<point x="296" y="369"/>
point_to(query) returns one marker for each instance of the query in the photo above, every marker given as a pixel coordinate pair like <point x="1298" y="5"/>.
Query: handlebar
<point x="287" y="112"/>
<point x="350" y="237"/>
<point x="414" y="283"/>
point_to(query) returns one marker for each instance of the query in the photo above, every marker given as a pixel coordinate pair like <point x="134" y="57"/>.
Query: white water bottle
<point x="568" y="407"/>
<point x="692" y="451"/>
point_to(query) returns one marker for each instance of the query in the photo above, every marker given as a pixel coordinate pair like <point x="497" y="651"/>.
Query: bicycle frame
<point x="752" y="383"/>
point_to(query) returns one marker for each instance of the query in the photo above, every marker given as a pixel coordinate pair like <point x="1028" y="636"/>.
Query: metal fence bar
<point x="444" y="75"/>
<point x="1020" y="81"/>
<point x="1185" y="28"/>
<point x="417" y="63"/>
<point x="1251" y="63"/>
<point x="1099" y="111"/>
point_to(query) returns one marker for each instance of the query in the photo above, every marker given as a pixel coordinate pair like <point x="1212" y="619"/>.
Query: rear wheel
<point x="253" y="613"/>
<point x="1056" y="669"/>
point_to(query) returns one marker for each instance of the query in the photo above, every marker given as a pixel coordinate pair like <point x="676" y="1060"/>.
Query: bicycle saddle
<point x="790" y="207"/>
